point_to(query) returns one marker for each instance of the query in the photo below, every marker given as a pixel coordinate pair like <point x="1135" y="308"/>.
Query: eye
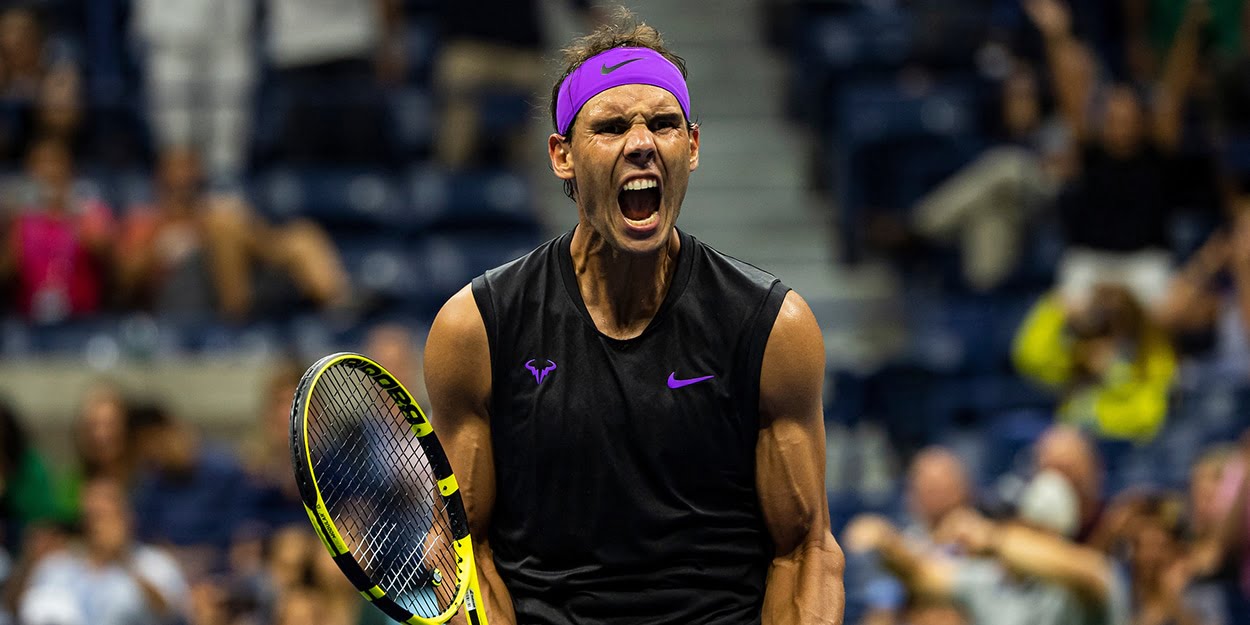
<point x="665" y="123"/>
<point x="613" y="128"/>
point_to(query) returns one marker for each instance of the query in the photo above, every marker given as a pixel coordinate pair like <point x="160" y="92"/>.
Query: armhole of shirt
<point x="761" y="327"/>
<point x="486" y="307"/>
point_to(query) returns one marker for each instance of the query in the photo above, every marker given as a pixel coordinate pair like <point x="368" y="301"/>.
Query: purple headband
<point x="613" y="68"/>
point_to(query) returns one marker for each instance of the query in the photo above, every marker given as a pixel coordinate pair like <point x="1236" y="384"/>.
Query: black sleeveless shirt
<point x="625" y="470"/>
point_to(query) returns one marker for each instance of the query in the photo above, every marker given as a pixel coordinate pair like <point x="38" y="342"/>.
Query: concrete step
<point x="683" y="23"/>
<point x="751" y="173"/>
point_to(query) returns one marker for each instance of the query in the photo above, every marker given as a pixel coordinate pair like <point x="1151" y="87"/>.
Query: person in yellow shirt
<point x="1111" y="363"/>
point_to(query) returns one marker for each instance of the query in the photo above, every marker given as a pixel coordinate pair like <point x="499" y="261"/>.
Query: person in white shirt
<point x="109" y="579"/>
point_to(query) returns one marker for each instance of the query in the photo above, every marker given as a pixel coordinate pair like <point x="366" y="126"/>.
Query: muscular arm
<point x="458" y="379"/>
<point x="804" y="582"/>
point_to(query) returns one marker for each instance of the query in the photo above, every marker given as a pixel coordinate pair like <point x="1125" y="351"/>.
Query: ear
<point x="561" y="156"/>
<point x="694" y="147"/>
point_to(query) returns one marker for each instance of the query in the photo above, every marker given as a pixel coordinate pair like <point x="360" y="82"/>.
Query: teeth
<point x="641" y="183"/>
<point x="643" y="223"/>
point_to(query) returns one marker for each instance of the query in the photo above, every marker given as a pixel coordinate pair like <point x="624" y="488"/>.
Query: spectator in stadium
<point x="1208" y="303"/>
<point x="58" y="249"/>
<point x="28" y="493"/>
<point x="478" y="57"/>
<point x="267" y="456"/>
<point x="396" y="346"/>
<point x="937" y="486"/>
<point x="1116" y="215"/>
<point x="102" y="438"/>
<point x="1158" y="568"/>
<point x="39" y="89"/>
<point x="1019" y="571"/>
<point x="331" y="57"/>
<point x="110" y="578"/>
<point x="1226" y="549"/>
<point x="1110" y="363"/>
<point x="1064" y="449"/>
<point x="188" y="495"/>
<point x="193" y="252"/>
<point x="200" y="68"/>
<point x="986" y="206"/>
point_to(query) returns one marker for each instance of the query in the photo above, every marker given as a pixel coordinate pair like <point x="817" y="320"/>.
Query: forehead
<point x="631" y="100"/>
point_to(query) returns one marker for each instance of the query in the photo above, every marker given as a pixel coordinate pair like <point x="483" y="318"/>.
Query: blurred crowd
<point x="1102" y="179"/>
<point x="155" y="523"/>
<point x="1074" y="171"/>
<point x="199" y="96"/>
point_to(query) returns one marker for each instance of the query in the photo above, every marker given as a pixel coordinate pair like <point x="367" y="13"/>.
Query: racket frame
<point x="467" y="592"/>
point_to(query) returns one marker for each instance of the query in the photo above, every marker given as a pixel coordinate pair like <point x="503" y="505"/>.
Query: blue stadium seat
<point x="487" y="199"/>
<point x="385" y="267"/>
<point x="894" y="143"/>
<point x="413" y="115"/>
<point x="450" y="261"/>
<point x="342" y="197"/>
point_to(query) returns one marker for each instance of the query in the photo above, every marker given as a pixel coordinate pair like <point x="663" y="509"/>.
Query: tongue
<point x="638" y="205"/>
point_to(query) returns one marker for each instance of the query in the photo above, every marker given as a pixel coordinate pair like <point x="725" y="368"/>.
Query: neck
<point x="622" y="291"/>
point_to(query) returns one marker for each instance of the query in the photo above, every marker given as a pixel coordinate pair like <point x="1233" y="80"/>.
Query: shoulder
<point x="457" y="351"/>
<point x="793" y="371"/>
<point x="795" y="331"/>
<point x="458" y="323"/>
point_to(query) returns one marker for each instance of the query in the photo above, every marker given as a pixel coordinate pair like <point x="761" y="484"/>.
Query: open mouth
<point x="639" y="201"/>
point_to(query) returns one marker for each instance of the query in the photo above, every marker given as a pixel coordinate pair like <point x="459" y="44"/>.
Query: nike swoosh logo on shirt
<point x="608" y="69"/>
<point x="673" y="382"/>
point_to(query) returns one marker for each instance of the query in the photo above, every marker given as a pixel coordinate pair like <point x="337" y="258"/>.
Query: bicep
<point x="790" y="454"/>
<point x="458" y="381"/>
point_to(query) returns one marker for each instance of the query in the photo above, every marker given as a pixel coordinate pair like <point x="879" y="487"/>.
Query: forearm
<point x="1064" y="55"/>
<point x="805" y="586"/>
<point x="495" y="599"/>
<point x="1241" y="277"/>
<point x="155" y="600"/>
<point x="1034" y="554"/>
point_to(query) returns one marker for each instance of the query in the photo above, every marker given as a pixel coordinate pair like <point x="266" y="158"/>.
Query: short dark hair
<point x="624" y="30"/>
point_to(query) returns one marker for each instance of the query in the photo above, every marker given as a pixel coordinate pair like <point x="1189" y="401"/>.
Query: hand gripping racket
<point x="380" y="492"/>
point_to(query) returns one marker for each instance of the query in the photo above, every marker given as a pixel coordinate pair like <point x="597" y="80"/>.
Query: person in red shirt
<point x="58" y="245"/>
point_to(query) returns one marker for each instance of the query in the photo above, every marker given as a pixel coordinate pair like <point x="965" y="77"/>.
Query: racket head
<point x="379" y="490"/>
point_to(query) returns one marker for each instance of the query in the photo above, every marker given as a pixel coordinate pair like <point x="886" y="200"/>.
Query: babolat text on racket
<point x="380" y="492"/>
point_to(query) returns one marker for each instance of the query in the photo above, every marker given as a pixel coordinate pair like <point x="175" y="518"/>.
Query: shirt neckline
<point x="681" y="277"/>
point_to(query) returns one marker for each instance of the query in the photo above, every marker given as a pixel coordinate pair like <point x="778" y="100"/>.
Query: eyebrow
<point x="674" y="118"/>
<point x="666" y="116"/>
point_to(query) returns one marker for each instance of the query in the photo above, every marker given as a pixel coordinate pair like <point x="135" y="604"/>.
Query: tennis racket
<point x="380" y="492"/>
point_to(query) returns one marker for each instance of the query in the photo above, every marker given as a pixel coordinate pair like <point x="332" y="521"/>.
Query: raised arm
<point x="1070" y="67"/>
<point x="458" y="380"/>
<point x="1240" y="262"/>
<point x="1033" y="553"/>
<point x="924" y="575"/>
<point x="804" y="582"/>
<point x="1178" y="72"/>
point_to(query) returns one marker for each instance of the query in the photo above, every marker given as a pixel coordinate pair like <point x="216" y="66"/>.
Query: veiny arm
<point x="458" y="380"/>
<point x="804" y="582"/>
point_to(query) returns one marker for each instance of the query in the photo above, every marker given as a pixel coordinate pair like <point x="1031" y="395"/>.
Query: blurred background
<point x="1006" y="214"/>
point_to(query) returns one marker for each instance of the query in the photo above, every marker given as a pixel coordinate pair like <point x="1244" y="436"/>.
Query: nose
<point x="640" y="145"/>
